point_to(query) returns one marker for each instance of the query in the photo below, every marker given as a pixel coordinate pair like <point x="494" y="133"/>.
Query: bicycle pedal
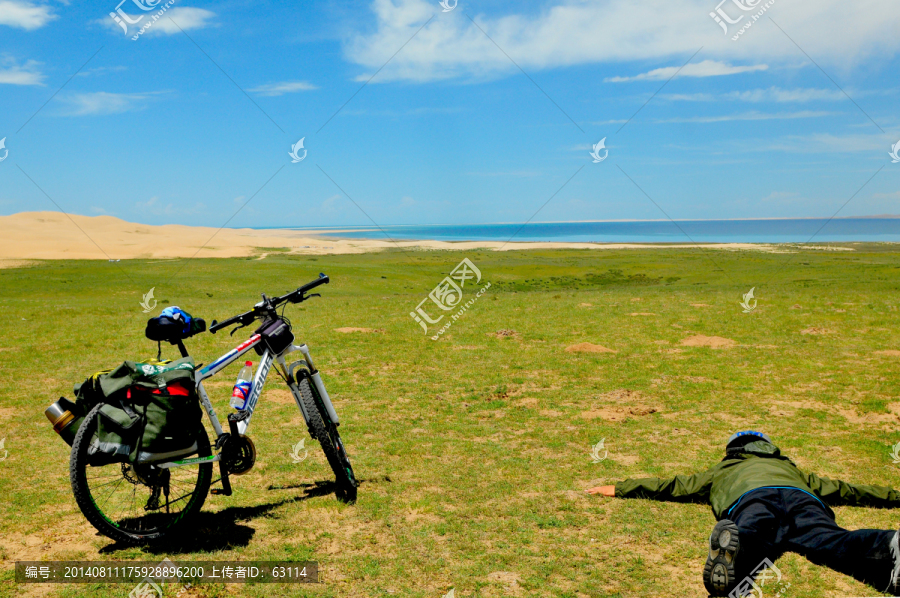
<point x="238" y="416"/>
<point x="220" y="491"/>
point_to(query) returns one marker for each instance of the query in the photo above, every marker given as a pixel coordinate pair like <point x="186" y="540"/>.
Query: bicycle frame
<point x="259" y="379"/>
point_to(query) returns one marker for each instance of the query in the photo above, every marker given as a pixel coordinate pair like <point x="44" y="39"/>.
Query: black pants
<point x="773" y="521"/>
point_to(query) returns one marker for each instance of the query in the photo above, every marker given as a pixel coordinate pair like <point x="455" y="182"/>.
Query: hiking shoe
<point x="719" y="572"/>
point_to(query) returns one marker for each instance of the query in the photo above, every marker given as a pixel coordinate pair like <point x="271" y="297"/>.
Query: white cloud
<point x="510" y="173"/>
<point x="775" y="94"/>
<point x="26" y="74"/>
<point x="146" y="205"/>
<point x="689" y="97"/>
<point x="780" y="196"/>
<point x="704" y="68"/>
<point x="283" y="87"/>
<point x="24" y="15"/>
<point x="753" y="115"/>
<point x="102" y="102"/>
<point x="418" y="111"/>
<point x="186" y="18"/>
<point x="772" y="94"/>
<point x="329" y="206"/>
<point x="575" y="32"/>
<point x="173" y="21"/>
<point x="826" y="143"/>
<point x="101" y="70"/>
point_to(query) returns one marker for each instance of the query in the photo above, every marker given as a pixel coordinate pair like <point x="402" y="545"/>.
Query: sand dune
<point x="54" y="235"/>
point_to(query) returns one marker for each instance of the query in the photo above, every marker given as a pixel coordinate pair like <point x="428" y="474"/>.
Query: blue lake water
<point x="683" y="231"/>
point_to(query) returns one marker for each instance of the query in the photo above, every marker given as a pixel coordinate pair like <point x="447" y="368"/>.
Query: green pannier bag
<point x="149" y="411"/>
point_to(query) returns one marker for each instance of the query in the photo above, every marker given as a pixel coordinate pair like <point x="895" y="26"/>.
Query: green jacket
<point x="760" y="465"/>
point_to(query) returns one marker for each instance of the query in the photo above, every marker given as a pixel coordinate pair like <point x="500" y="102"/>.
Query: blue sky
<point x="197" y="115"/>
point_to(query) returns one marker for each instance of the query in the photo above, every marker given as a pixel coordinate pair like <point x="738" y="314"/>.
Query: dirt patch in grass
<point x="699" y="305"/>
<point x="714" y="342"/>
<point x="891" y="352"/>
<point x="815" y="330"/>
<point x="618" y="414"/>
<point x="807" y="387"/>
<point x="17" y="264"/>
<point x="509" y="580"/>
<point x="807" y="404"/>
<point x="620" y="394"/>
<point x="585" y="305"/>
<point x="666" y="379"/>
<point x="70" y="539"/>
<point x="641" y="313"/>
<point x="588" y="348"/>
<point x="854" y="417"/>
<point x="505" y="332"/>
<point x="349" y="329"/>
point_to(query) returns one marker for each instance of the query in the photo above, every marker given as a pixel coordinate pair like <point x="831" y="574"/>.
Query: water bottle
<point x="241" y="391"/>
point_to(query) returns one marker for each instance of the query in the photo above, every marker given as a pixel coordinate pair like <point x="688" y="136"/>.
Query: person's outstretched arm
<point x="836" y="492"/>
<point x="681" y="488"/>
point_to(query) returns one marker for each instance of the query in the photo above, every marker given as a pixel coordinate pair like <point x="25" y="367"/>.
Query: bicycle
<point x="163" y="490"/>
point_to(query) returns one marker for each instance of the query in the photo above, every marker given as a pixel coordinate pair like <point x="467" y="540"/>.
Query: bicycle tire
<point x="324" y="430"/>
<point x="81" y="488"/>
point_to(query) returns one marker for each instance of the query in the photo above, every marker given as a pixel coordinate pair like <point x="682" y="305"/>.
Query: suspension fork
<point x="318" y="387"/>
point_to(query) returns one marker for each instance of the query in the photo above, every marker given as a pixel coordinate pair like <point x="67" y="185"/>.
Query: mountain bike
<point x="149" y="499"/>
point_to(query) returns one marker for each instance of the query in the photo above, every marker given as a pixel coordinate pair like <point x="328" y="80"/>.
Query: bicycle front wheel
<point x="324" y="430"/>
<point x="136" y="503"/>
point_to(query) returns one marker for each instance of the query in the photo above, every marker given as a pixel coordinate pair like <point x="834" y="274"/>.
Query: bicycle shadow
<point x="325" y="487"/>
<point x="223" y="530"/>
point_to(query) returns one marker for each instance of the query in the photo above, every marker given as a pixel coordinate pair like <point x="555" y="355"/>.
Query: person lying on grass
<point x="765" y="506"/>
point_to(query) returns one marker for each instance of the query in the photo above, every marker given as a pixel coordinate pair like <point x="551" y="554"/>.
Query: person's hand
<point x="602" y="490"/>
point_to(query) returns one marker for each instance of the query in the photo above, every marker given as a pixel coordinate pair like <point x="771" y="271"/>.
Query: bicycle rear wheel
<point x="324" y="430"/>
<point x="136" y="503"/>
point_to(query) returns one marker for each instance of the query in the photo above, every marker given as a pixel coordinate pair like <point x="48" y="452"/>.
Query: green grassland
<point x="474" y="450"/>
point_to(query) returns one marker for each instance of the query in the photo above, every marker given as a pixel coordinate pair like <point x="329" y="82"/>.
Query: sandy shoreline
<point x="54" y="235"/>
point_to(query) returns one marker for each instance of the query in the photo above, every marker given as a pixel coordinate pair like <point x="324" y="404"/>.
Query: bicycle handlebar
<point x="267" y="306"/>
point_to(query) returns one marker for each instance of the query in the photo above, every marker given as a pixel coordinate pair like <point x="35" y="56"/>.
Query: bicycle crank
<point x="238" y="454"/>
